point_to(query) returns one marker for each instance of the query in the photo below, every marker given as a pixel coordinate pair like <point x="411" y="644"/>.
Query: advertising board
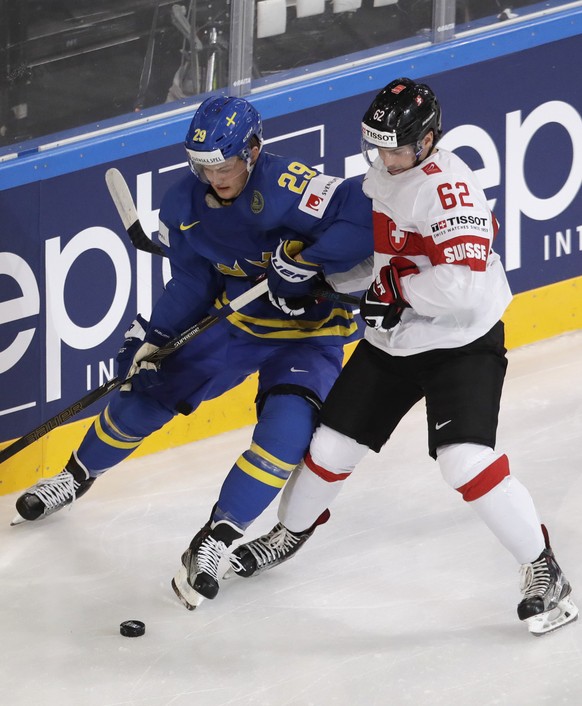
<point x="71" y="282"/>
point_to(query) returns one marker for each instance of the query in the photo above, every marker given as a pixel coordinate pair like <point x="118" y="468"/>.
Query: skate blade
<point x="190" y="598"/>
<point x="565" y="612"/>
<point x="18" y="520"/>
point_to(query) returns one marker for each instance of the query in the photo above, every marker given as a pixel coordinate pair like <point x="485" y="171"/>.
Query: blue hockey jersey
<point x="218" y="251"/>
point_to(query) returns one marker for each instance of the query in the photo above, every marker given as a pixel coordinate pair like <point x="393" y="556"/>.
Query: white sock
<point x="305" y="497"/>
<point x="509" y="512"/>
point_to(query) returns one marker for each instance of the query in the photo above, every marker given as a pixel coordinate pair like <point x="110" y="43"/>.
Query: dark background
<point x="71" y="63"/>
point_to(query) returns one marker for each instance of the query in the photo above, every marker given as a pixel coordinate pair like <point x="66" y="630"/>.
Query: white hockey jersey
<point x="436" y="215"/>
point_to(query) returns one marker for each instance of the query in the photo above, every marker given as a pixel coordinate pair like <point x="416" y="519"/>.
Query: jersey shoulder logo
<point x="318" y="194"/>
<point x="431" y="168"/>
<point x="257" y="202"/>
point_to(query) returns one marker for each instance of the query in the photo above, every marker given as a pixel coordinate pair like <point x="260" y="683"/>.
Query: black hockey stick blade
<point x="156" y="357"/>
<point x="123" y="200"/>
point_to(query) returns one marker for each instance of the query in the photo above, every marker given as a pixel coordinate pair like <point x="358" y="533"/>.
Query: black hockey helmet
<point x="402" y="114"/>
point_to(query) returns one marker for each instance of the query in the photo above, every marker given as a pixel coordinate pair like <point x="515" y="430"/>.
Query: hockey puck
<point x="132" y="628"/>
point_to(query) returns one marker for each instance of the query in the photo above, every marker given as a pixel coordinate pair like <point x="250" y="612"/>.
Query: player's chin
<point x="227" y="193"/>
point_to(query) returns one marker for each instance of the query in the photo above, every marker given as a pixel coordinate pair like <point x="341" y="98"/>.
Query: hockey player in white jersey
<point x="434" y="331"/>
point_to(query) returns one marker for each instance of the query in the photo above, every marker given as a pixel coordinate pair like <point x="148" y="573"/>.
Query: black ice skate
<point x="271" y="549"/>
<point x="546" y="603"/>
<point x="49" y="495"/>
<point x="197" y="578"/>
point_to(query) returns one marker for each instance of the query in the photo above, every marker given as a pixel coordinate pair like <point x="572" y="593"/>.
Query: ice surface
<point x="404" y="597"/>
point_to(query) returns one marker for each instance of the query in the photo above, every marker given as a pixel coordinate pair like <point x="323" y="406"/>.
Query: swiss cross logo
<point x="396" y="237"/>
<point x="435" y="227"/>
<point x="389" y="239"/>
<point x="430" y="168"/>
<point x="313" y="202"/>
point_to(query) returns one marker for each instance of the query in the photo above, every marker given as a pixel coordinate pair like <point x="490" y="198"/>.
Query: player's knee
<point x="285" y="426"/>
<point x="472" y="469"/>
<point x="333" y="456"/>
<point x="137" y="415"/>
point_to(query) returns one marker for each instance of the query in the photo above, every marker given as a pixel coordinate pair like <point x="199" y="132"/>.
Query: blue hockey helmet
<point x="221" y="128"/>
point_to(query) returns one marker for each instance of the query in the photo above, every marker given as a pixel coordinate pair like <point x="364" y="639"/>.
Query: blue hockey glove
<point x="382" y="304"/>
<point x="143" y="374"/>
<point x="290" y="280"/>
<point x="130" y="363"/>
<point x="134" y="337"/>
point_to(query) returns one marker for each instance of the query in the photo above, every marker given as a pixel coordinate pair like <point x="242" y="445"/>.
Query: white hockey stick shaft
<point x="121" y="195"/>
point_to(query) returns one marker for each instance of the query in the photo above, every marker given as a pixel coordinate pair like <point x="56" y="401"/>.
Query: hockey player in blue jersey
<point x="241" y="215"/>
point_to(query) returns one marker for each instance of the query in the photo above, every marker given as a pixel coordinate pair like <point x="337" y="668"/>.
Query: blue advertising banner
<point x="71" y="283"/>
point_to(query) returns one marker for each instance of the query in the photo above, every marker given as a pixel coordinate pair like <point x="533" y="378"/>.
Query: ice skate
<point x="271" y="549"/>
<point x="197" y="578"/>
<point x="49" y="495"/>
<point x="546" y="603"/>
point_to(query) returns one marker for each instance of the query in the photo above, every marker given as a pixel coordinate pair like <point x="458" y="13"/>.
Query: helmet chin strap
<point x="419" y="148"/>
<point x="251" y="166"/>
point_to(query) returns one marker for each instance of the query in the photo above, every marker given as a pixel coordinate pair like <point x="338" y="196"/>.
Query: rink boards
<point x="72" y="282"/>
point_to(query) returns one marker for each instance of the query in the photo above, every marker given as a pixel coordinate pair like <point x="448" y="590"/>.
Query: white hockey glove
<point x="291" y="281"/>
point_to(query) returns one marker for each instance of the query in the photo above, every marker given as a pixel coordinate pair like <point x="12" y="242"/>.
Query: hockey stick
<point x="123" y="200"/>
<point x="156" y="357"/>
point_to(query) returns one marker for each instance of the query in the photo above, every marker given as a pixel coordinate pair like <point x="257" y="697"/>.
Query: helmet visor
<point x="390" y="158"/>
<point x="372" y="139"/>
<point x="204" y="164"/>
<point x="370" y="153"/>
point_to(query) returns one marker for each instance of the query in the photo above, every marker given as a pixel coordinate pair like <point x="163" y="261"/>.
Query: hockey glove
<point x="143" y="375"/>
<point x="290" y="280"/>
<point x="130" y="362"/>
<point x="134" y="337"/>
<point x="383" y="303"/>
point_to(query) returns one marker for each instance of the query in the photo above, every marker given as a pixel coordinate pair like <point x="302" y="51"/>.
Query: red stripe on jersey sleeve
<point x="390" y="240"/>
<point x="469" y="250"/>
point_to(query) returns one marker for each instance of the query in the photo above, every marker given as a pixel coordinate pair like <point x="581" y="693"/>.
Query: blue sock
<point x="280" y="440"/>
<point x="119" y="430"/>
